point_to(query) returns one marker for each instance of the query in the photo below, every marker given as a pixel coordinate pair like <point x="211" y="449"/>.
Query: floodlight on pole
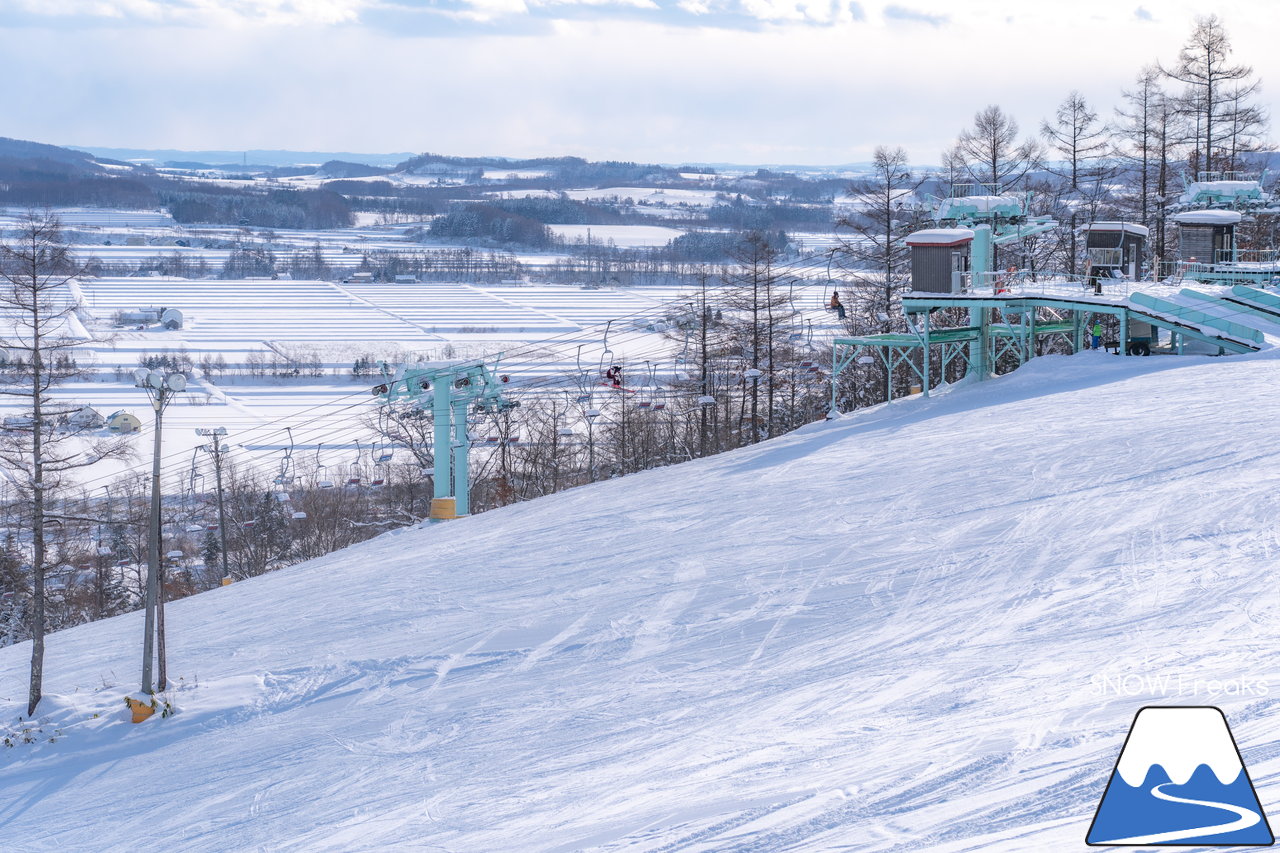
<point x="160" y="386"/>
<point x="217" y="451"/>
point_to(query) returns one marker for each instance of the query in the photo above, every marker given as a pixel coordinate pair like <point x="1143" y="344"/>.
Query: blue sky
<point x="751" y="81"/>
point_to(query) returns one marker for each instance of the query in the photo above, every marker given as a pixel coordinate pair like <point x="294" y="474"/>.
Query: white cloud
<point x="606" y="82"/>
<point x="194" y="12"/>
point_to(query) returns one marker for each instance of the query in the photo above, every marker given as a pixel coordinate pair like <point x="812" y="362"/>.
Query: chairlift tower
<point x="451" y="389"/>
<point x="995" y="218"/>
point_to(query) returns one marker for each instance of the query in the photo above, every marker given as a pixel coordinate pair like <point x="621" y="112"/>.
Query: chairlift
<point x="285" y="477"/>
<point x="646" y="387"/>
<point x="706" y="400"/>
<point x="248" y="524"/>
<point x="606" y="355"/>
<point x="298" y="515"/>
<point x="565" y="432"/>
<point x="194" y="528"/>
<point x="321" y="470"/>
<point x="353" y="478"/>
<point x="866" y="359"/>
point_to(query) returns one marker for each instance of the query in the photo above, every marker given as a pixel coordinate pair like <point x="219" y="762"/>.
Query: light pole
<point x="160" y="388"/>
<point x="217" y="450"/>
<point x="591" y="414"/>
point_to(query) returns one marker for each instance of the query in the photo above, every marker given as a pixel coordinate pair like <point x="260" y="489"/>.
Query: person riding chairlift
<point x="836" y="305"/>
<point x="614" y="375"/>
<point x="1004" y="282"/>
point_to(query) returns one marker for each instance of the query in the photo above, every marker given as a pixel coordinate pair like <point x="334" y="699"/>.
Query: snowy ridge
<point x="1179" y="740"/>
<point x="890" y="633"/>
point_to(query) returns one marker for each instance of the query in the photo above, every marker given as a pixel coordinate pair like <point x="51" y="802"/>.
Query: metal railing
<point x="1269" y="257"/>
<point x="1027" y="282"/>
<point x="1205" y="177"/>
<point x="966" y="190"/>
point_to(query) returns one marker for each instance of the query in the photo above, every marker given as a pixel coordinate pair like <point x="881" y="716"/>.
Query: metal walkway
<point x="1237" y="320"/>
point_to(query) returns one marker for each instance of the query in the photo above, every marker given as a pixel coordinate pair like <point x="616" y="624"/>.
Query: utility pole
<point x="222" y="513"/>
<point x="159" y="387"/>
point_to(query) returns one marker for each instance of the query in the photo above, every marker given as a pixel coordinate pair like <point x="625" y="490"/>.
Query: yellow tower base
<point x="444" y="508"/>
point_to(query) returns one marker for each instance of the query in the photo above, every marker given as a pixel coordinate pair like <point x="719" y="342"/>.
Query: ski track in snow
<point x="877" y="634"/>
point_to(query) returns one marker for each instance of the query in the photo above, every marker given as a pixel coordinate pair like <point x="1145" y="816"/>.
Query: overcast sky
<point x="747" y="81"/>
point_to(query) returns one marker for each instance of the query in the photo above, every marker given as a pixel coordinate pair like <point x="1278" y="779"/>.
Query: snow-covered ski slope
<point x="901" y="631"/>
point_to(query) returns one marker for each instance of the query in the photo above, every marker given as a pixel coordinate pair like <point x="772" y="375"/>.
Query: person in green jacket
<point x="1097" y="335"/>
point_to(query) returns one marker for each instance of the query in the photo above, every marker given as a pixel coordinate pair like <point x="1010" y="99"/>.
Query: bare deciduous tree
<point x="45" y="443"/>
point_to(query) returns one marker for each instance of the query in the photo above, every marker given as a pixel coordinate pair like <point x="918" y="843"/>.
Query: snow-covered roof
<point x="940" y="237"/>
<point x="1207" y="217"/>
<point x="1221" y="188"/>
<point x="1127" y="227"/>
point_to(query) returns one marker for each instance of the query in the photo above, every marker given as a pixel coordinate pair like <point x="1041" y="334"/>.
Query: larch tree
<point x="872" y="250"/>
<point x="1214" y="88"/>
<point x="1079" y="149"/>
<point x="44" y="445"/>
<point x="991" y="151"/>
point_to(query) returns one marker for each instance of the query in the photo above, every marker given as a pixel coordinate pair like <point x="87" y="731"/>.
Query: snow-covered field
<point x="893" y="632"/>
<point x="539" y="335"/>
<point x="623" y="236"/>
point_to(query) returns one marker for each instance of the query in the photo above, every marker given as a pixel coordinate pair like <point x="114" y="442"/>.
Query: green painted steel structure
<point x="993" y="339"/>
<point x="451" y="389"/>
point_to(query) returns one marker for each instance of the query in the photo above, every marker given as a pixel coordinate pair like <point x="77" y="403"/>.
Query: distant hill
<point x="21" y="149"/>
<point x="343" y="169"/>
<point x="252" y="157"/>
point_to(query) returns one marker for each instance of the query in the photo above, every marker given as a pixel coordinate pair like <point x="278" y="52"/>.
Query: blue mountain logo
<point x="1180" y="780"/>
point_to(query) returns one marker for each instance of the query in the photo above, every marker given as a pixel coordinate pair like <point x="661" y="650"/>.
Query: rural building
<point x="123" y="422"/>
<point x="87" y="417"/>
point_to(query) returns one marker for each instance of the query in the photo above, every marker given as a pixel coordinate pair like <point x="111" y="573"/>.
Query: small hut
<point x="1115" y="248"/>
<point x="939" y="259"/>
<point x="1207" y="236"/>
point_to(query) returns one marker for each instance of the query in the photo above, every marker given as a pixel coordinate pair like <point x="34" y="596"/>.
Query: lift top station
<point x="951" y="260"/>
<point x="1009" y="311"/>
<point x="451" y="390"/>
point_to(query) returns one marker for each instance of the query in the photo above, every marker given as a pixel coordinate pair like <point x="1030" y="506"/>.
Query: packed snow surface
<point x="924" y="627"/>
